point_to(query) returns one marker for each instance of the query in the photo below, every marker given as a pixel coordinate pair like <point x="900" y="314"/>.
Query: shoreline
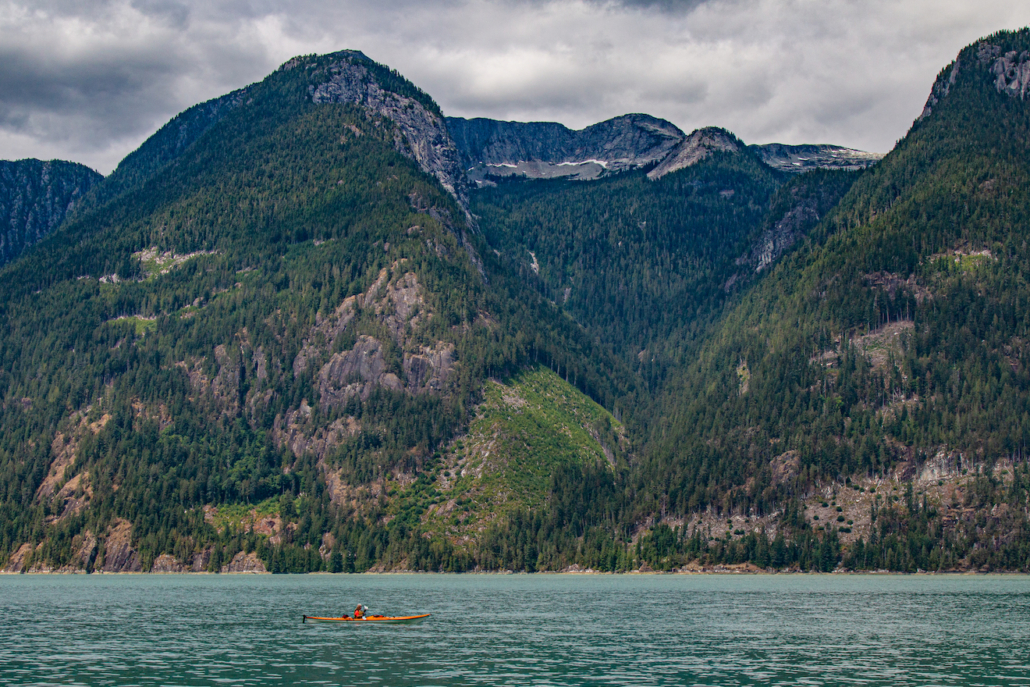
<point x="584" y="573"/>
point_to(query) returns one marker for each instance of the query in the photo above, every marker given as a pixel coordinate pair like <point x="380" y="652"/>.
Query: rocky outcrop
<point x="1008" y="69"/>
<point x="548" y="150"/>
<point x="778" y="238"/>
<point x="119" y="555"/>
<point x="292" y="431"/>
<point x="245" y="563"/>
<point x="798" y="207"/>
<point x="167" y="563"/>
<point x="1011" y="70"/>
<point x="355" y="373"/>
<point x="696" y="147"/>
<point x="35" y="198"/>
<point x="428" y="370"/>
<point x="422" y="134"/>
<point x="804" y="158"/>
<point x="19" y="559"/>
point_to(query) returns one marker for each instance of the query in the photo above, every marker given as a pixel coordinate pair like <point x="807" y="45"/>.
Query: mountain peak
<point x="1003" y="58"/>
<point x="696" y="147"/>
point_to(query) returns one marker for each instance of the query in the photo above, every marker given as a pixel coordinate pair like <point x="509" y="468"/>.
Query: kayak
<point x="387" y="619"/>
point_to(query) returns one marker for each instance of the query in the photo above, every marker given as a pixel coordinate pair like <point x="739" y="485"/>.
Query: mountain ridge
<point x="549" y="150"/>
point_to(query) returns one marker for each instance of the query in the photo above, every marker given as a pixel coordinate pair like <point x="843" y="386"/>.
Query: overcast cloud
<point x="89" y="80"/>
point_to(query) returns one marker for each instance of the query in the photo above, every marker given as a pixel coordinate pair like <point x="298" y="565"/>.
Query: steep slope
<point x="35" y="197"/>
<point x="641" y="264"/>
<point x="168" y="143"/>
<point x="222" y="366"/>
<point x="888" y="354"/>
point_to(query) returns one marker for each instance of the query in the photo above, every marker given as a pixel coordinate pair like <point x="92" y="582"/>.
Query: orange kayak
<point x="389" y="619"/>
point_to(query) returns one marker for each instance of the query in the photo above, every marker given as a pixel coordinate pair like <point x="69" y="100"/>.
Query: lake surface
<point x="516" y="630"/>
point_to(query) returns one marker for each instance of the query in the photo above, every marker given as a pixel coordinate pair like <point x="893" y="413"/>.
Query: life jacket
<point x="358" y="613"/>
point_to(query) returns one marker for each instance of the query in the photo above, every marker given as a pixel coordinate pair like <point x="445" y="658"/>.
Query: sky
<point x="90" y="80"/>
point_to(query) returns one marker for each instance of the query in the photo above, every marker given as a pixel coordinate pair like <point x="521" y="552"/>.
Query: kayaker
<point x="359" y="612"/>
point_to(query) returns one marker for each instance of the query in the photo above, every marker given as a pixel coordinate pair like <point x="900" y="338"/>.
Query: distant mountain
<point x="35" y="197"/>
<point x="802" y="158"/>
<point x="548" y="150"/>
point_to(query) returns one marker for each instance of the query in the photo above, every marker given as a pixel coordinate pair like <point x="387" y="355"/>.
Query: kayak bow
<point x="387" y="619"/>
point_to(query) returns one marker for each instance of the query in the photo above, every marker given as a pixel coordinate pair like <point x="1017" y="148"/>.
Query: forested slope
<point x="255" y="341"/>
<point x="287" y="336"/>
<point x="892" y="345"/>
<point x="35" y="198"/>
<point x="637" y="262"/>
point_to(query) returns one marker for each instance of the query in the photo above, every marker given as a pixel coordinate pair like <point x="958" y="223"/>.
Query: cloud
<point x="90" y="80"/>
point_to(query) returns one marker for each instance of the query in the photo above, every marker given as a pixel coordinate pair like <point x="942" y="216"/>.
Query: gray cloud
<point x="89" y="80"/>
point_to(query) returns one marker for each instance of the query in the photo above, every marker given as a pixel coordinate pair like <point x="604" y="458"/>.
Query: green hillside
<point x="287" y="298"/>
<point x="292" y="340"/>
<point x="891" y="346"/>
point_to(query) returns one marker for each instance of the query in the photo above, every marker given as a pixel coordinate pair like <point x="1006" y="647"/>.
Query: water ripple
<point x="504" y="630"/>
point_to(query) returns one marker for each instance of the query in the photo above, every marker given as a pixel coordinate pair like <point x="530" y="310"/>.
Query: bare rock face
<point x="429" y="370"/>
<point x="941" y="88"/>
<point x="355" y="373"/>
<point x="200" y="561"/>
<point x="776" y="240"/>
<point x="119" y="556"/>
<point x="1009" y="69"/>
<point x="1013" y="73"/>
<point x="423" y="136"/>
<point x="16" y="563"/>
<point x="166" y="563"/>
<point x="696" y="147"/>
<point x="544" y="150"/>
<point x="35" y="198"/>
<point x="803" y="158"/>
<point x="245" y="563"/>
<point x="293" y="432"/>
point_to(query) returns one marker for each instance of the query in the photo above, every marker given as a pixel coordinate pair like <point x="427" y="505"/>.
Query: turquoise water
<point x="516" y="630"/>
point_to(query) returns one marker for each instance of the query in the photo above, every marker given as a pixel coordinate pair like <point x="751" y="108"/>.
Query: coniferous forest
<point x="285" y="340"/>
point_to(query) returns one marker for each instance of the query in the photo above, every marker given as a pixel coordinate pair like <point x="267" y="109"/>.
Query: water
<point x="516" y="630"/>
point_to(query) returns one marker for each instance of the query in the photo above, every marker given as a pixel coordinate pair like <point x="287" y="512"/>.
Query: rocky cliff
<point x="35" y="197"/>
<point x="806" y="157"/>
<point x="547" y="149"/>
<point x="1009" y="69"/>
<point x="696" y="147"/>
<point x="421" y="133"/>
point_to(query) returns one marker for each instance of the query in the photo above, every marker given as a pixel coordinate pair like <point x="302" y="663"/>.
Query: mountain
<point x="549" y="150"/>
<point x="281" y="343"/>
<point x="492" y="149"/>
<point x="291" y="334"/>
<point x="804" y="158"/>
<point x="871" y="392"/>
<point x="35" y="197"/>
